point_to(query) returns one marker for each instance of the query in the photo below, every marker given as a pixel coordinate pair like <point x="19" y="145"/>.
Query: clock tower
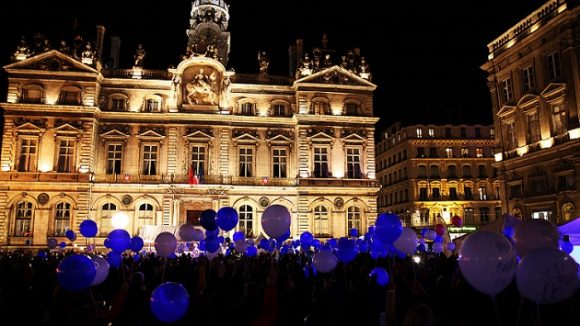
<point x="208" y="33"/>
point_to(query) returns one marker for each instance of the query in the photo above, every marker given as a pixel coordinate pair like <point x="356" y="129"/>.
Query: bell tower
<point x="208" y="33"/>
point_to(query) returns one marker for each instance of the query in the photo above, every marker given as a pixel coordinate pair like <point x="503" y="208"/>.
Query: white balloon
<point x="487" y="260"/>
<point x="276" y="220"/>
<point x="532" y="234"/>
<point x="407" y="241"/>
<point x="102" y="266"/>
<point x="324" y="261"/>
<point x="547" y="275"/>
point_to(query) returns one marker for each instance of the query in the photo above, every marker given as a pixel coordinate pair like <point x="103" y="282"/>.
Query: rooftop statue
<point x="88" y="56"/>
<point x="364" y="70"/>
<point x="64" y="48"/>
<point x="22" y="51"/>
<point x="264" y="62"/>
<point x="139" y="56"/>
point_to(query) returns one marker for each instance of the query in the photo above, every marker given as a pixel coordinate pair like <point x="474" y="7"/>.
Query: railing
<point x="128" y="73"/>
<point x="338" y="182"/>
<point x="261" y="79"/>
<point x="184" y="179"/>
<point x="43" y="176"/>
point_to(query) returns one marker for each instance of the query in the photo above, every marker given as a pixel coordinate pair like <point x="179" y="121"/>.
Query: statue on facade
<point x="139" y="56"/>
<point x="22" y="51"/>
<point x="364" y="70"/>
<point x="88" y="55"/>
<point x="200" y="90"/>
<point x="77" y="45"/>
<point x="327" y="62"/>
<point x="64" y="48"/>
<point x="264" y="62"/>
<point x="46" y="45"/>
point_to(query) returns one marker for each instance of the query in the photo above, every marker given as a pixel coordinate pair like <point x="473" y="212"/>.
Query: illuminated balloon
<point x="119" y="240"/>
<point x="198" y="235"/>
<point x="388" y="227"/>
<point x="276" y="220"/>
<point x="207" y="220"/>
<point x="325" y="261"/>
<point x="71" y="235"/>
<point x="88" y="228"/>
<point x="165" y="244"/>
<point x="136" y="244"/>
<point x="76" y="272"/>
<point x="186" y="232"/>
<point x="169" y="302"/>
<point x="407" y="241"/>
<point x="306" y="238"/>
<point x="226" y="218"/>
<point x="52" y="243"/>
<point x="532" y="234"/>
<point x="457" y="221"/>
<point x="380" y="274"/>
<point x="102" y="269"/>
<point x="440" y="229"/>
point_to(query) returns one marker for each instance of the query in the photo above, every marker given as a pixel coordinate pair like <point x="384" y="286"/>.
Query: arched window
<point x="32" y="94"/>
<point x="568" y="212"/>
<point x="246" y="220"/>
<point x="247" y="108"/>
<point x="351" y="108"/>
<point x="145" y="216"/>
<point x="61" y="218"/>
<point x="118" y="102"/>
<point x="353" y="218"/>
<point x="70" y="95"/>
<point x="320" y="107"/>
<point x="107" y="212"/>
<point x="278" y="109"/>
<point x="23" y="219"/>
<point x="321" y="226"/>
<point x="146" y="211"/>
<point x="153" y="104"/>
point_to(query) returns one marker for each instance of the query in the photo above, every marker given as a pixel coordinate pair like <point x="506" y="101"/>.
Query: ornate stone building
<point x="81" y="141"/>
<point x="533" y="78"/>
<point x="430" y="173"/>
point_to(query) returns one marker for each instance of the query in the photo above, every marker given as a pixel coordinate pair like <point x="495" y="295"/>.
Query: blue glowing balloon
<point x="347" y="251"/>
<point x="306" y="239"/>
<point x="76" y="272"/>
<point x="381" y="276"/>
<point x="115" y="259"/>
<point x="263" y="244"/>
<point x="207" y="220"/>
<point x="88" y="228"/>
<point x="119" y="240"/>
<point x="226" y="218"/>
<point x="136" y="244"/>
<point x="332" y="242"/>
<point x="251" y="251"/>
<point x="239" y="236"/>
<point x="52" y="243"/>
<point x="353" y="232"/>
<point x="169" y="302"/>
<point x="284" y="236"/>
<point x="62" y="244"/>
<point x="389" y="227"/>
<point x="71" y="235"/>
<point x="566" y="245"/>
<point x="212" y="243"/>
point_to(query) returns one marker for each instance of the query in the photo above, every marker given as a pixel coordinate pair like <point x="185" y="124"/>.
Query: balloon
<point x="212" y="243"/>
<point x="169" y="302"/>
<point x="107" y="243"/>
<point x="487" y="260"/>
<point x="371" y="229"/>
<point x="388" y="227"/>
<point x="27" y="242"/>
<point x="276" y="220"/>
<point x="438" y="239"/>
<point x="62" y="244"/>
<point x="119" y="240"/>
<point x="407" y="241"/>
<point x="241" y="246"/>
<point x="532" y="234"/>
<point x="165" y="244"/>
<point x="212" y="255"/>
<point x="88" y="228"/>
<point x="71" y="235"/>
<point x="207" y="219"/>
<point x="451" y="246"/>
<point x="381" y="275"/>
<point x="239" y="236"/>
<point x="251" y="251"/>
<point x="264" y="244"/>
<point x="353" y="232"/>
<point x="324" y="261"/>
<point x="565" y="244"/>
<point x="76" y="272"/>
<point x="115" y="259"/>
<point x="363" y="247"/>
<point x="186" y="232"/>
<point x="437" y="247"/>
<point x="347" y="250"/>
<point x="457" y="221"/>
<point x="52" y="243"/>
<point x="136" y="244"/>
<point x="440" y="229"/>
<point x="197" y="235"/>
<point x="102" y="268"/>
<point x="306" y="238"/>
<point x="227" y="218"/>
<point x="332" y="242"/>
<point x="283" y="237"/>
<point x="430" y="234"/>
<point x="547" y="275"/>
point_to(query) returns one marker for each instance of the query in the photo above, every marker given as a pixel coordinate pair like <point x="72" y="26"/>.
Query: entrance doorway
<point x="192" y="217"/>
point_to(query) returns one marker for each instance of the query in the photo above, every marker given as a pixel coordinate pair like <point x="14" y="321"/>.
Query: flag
<point x="190" y="175"/>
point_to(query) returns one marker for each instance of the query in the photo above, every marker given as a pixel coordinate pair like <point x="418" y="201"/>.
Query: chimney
<point x="100" y="40"/>
<point x="299" y="51"/>
<point x="114" y="53"/>
<point x="357" y="52"/>
<point x="292" y="60"/>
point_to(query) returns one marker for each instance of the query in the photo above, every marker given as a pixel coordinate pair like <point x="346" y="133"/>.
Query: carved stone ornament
<point x="264" y="201"/>
<point x="42" y="198"/>
<point x="339" y="202"/>
<point x="127" y="200"/>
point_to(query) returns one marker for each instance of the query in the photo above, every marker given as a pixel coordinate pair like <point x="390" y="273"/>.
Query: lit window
<point x="511" y="140"/>
<point x="321" y="226"/>
<point x="482" y="193"/>
<point x="528" y="79"/>
<point x="479" y="152"/>
<point x="149" y="160"/>
<point x="506" y="90"/>
<point x="146" y="211"/>
<point x="65" y="161"/>
<point x="23" y="219"/>
<point x="431" y="132"/>
<point x="246" y="159"/>
<point x="321" y="162"/>
<point x="464" y="152"/>
<point x="152" y="105"/>
<point x="320" y="107"/>
<point x="353" y="170"/>
<point x="553" y="65"/>
<point x="559" y="119"/>
<point x="198" y="158"/>
<point x="114" y="155"/>
<point x="61" y="218"/>
<point x="246" y="221"/>
<point x="28" y="155"/>
<point x="419" y="133"/>
<point x="449" y="152"/>
<point x="353" y="217"/>
<point x="279" y="162"/>
<point x="69" y="97"/>
<point x="279" y="110"/>
<point x="533" y="130"/>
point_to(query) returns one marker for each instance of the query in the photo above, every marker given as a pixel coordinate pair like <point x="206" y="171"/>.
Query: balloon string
<point x="163" y="273"/>
<point x="519" y="311"/>
<point x="496" y="310"/>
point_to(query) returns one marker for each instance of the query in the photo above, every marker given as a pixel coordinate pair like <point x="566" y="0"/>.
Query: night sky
<point x="424" y="55"/>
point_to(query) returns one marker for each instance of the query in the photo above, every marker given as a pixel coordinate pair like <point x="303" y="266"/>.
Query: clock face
<point x="204" y="37"/>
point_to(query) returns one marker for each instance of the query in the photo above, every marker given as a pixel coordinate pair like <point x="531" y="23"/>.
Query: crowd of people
<point x="268" y="289"/>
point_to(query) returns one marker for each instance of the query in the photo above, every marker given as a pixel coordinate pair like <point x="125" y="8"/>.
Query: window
<point x="23" y="219"/>
<point x="65" y="162"/>
<point x="516" y="191"/>
<point x="491" y="132"/>
<point x="420" y="152"/>
<point x="528" y="79"/>
<point x="149" y="160"/>
<point x="553" y="66"/>
<point x="434" y="171"/>
<point x="482" y="193"/>
<point x="451" y="171"/>
<point x="114" y="155"/>
<point x="152" y="105"/>
<point x="433" y="152"/>
<point x="447" y="132"/>
<point x="477" y="132"/>
<point x="511" y="140"/>
<point x="353" y="218"/>
<point x="469" y="217"/>
<point x="198" y="158"/>
<point x="27" y="157"/>
<point x="484" y="215"/>
<point x="351" y="109"/>
<point x="467" y="171"/>
<point x="479" y="152"/>
<point x="32" y="94"/>
<point x="279" y="110"/>
<point x="431" y="132"/>
<point x="406" y="192"/>
<point x="395" y="176"/>
<point x="423" y="193"/>
<point x="69" y="97"/>
<point x="118" y="104"/>
<point x="320" y="107"/>
<point x="279" y="159"/>
<point x="462" y="132"/>
<point x="481" y="171"/>
<point x="146" y="211"/>
<point x="559" y="119"/>
<point x="506" y="90"/>
<point x="246" y="159"/>
<point x="107" y="212"/>
<point x="61" y="219"/>
<point x="247" y="109"/>
<point x="353" y="163"/>
<point x="321" y="162"/>
<point x="467" y="193"/>
<point x="436" y="193"/>
<point x="453" y="193"/>
<point x="533" y="133"/>
<point x="321" y="226"/>
<point x="449" y="152"/>
<point x="566" y="182"/>
<point x="246" y="221"/>
<point x="419" y="133"/>
<point x="422" y="171"/>
<point x="497" y="193"/>
<point x="404" y="154"/>
<point x="404" y="173"/>
<point x="464" y="152"/>
<point x="497" y="212"/>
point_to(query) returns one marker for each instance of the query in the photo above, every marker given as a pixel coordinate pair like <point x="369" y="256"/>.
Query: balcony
<point x="128" y="74"/>
<point x="44" y="176"/>
<point x="184" y="179"/>
<point x="333" y="182"/>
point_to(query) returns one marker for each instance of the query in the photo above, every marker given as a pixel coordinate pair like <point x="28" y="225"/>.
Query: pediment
<point x="279" y="139"/>
<point x="354" y="138"/>
<point x="67" y="129"/>
<point x="151" y="134"/>
<point x="29" y="128"/>
<point x="246" y="137"/>
<point x="52" y="60"/>
<point x="335" y="75"/>
<point x="321" y="137"/>
<point x="114" y="134"/>
<point x="199" y="135"/>
<point x="553" y="90"/>
<point x="506" y="110"/>
<point x="529" y="100"/>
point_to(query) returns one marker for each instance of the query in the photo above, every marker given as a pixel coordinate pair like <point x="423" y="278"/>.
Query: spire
<point x="208" y="34"/>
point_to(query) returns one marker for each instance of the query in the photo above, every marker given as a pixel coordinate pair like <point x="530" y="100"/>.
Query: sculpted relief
<point x="203" y="88"/>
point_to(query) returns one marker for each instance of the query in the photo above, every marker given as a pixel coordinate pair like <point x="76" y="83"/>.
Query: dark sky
<point x="424" y="55"/>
